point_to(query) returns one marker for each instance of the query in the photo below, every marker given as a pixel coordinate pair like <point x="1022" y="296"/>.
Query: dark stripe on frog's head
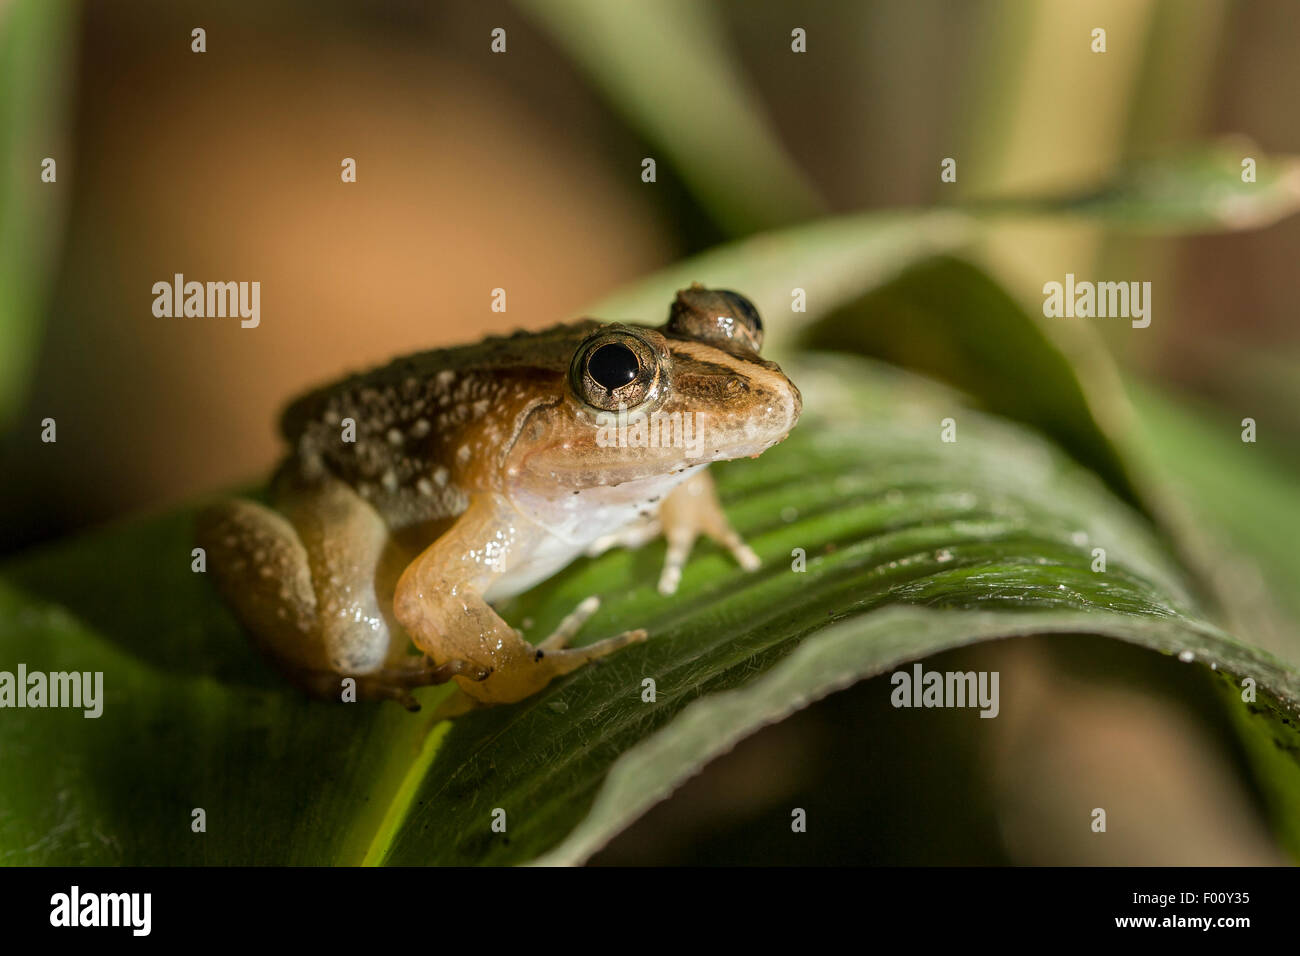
<point x="708" y="358"/>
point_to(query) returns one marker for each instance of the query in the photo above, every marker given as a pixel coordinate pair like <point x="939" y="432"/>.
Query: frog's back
<point x="412" y="418"/>
<point x="436" y="371"/>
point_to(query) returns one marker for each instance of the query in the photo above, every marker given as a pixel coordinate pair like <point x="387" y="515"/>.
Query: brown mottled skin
<point x="470" y="473"/>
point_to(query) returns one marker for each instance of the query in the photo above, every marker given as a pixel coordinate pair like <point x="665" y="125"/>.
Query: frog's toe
<point x="563" y="661"/>
<point x="571" y="625"/>
<point x="742" y="552"/>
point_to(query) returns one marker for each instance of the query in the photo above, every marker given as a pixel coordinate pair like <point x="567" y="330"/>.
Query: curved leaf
<point x="912" y="545"/>
<point x="702" y="112"/>
<point x="1198" y="191"/>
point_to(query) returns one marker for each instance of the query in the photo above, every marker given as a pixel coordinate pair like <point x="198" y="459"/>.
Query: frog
<point x="417" y="495"/>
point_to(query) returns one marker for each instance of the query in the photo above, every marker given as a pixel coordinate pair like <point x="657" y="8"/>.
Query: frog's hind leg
<point x="304" y="587"/>
<point x="260" y="567"/>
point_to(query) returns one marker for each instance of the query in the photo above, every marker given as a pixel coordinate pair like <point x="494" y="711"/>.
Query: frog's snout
<point x="784" y="403"/>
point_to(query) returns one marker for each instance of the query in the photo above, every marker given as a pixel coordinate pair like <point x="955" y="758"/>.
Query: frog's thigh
<point x="260" y="567"/>
<point x="343" y="538"/>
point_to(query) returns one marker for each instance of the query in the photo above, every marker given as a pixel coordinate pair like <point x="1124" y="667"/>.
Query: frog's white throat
<point x="571" y="523"/>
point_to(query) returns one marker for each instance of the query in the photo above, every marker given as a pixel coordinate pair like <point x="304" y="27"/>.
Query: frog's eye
<point x="614" y="367"/>
<point x="716" y="315"/>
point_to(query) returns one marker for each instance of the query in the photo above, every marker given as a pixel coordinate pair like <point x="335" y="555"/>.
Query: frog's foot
<point x="570" y="659"/>
<point x="552" y="658"/>
<point x="554" y="646"/>
<point x="395" y="683"/>
<point x="690" y="510"/>
<point x="389" y="683"/>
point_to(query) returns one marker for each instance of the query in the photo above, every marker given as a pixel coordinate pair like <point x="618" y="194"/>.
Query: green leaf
<point x="1239" y="517"/>
<point x="913" y="545"/>
<point x="1227" y="507"/>
<point x="947" y="318"/>
<point x="702" y="113"/>
<point x="835" y="260"/>
<point x="832" y="261"/>
<point x="1198" y="191"/>
<point x="35" y="47"/>
<point x="1231" y="523"/>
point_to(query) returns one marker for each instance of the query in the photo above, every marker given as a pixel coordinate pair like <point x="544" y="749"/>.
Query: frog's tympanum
<point x="417" y="493"/>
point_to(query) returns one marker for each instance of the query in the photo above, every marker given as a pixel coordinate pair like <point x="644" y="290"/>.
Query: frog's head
<point x="641" y="403"/>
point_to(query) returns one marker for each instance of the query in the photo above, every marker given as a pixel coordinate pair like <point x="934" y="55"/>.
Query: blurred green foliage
<point x="35" y="81"/>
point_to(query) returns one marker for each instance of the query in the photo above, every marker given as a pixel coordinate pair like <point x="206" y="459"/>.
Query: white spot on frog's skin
<point x="446" y="377"/>
<point x="420" y="428"/>
<point x="424" y="486"/>
<point x="943" y="556"/>
<point x="440" y="476"/>
<point x="394" y="437"/>
<point x="1186" y="657"/>
<point x="390" y="481"/>
<point x="463" y="453"/>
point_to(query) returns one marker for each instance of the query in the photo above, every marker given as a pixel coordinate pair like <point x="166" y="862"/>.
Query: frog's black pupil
<point x="746" y="310"/>
<point x="612" y="365"/>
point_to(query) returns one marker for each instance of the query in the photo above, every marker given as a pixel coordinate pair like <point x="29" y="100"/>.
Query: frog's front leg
<point x="692" y="509"/>
<point x="302" y="582"/>
<point x="439" y="600"/>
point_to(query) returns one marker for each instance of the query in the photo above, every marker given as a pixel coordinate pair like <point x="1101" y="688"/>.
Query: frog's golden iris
<point x="616" y="366"/>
